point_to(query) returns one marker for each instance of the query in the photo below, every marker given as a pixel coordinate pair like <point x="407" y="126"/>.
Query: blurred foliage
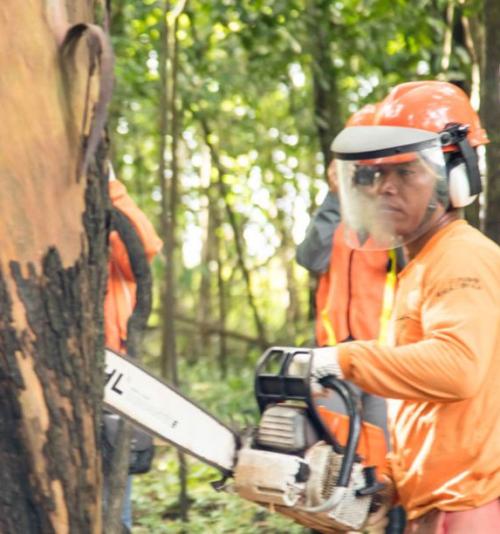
<point x="248" y="80"/>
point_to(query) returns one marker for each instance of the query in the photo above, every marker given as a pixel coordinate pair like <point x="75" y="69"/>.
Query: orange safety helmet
<point x="364" y="116"/>
<point x="430" y="105"/>
<point x="429" y="120"/>
<point x="445" y="109"/>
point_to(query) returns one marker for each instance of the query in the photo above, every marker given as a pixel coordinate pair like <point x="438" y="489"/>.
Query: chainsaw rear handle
<point x="277" y="381"/>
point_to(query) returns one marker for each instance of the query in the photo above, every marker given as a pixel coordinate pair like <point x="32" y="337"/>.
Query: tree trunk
<point x="237" y="233"/>
<point x="473" y="41"/>
<point x="221" y="292"/>
<point x="208" y="254"/>
<point x="55" y="87"/>
<point x="168" y="339"/>
<point x="287" y="252"/>
<point x="174" y="194"/>
<point x="490" y="107"/>
<point x="327" y="113"/>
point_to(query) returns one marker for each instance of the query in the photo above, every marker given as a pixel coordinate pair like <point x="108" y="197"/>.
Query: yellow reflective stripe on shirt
<point x="387" y="303"/>
<point x="388" y="300"/>
<point x="328" y="326"/>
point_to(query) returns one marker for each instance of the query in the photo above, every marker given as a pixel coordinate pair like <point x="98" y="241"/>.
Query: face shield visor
<point x="391" y="182"/>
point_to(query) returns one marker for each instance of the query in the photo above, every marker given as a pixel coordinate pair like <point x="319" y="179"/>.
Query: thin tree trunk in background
<point x="117" y="466"/>
<point x="221" y="291"/>
<point x="116" y="479"/>
<point x="174" y="193"/>
<point x="208" y="255"/>
<point x="172" y="207"/>
<point x="327" y="110"/>
<point x="52" y="265"/>
<point x="168" y="312"/>
<point x="237" y="235"/>
<point x="490" y="108"/>
<point x="293" y="312"/>
<point x="287" y="253"/>
<point x="474" y="43"/>
<point x="448" y="37"/>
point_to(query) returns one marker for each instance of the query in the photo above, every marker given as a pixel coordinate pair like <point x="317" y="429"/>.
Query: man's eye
<point x="405" y="173"/>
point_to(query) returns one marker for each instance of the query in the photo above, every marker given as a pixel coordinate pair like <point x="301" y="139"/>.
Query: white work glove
<point x="325" y="362"/>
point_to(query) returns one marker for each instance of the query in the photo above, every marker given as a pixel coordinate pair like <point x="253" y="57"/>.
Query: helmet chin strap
<point x="425" y="224"/>
<point x="432" y="206"/>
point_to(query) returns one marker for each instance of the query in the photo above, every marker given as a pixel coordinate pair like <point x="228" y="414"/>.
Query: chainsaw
<point x="318" y="466"/>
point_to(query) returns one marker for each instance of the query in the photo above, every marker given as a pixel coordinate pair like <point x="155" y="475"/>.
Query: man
<point x="355" y="290"/>
<point x="121" y="294"/>
<point x="402" y="182"/>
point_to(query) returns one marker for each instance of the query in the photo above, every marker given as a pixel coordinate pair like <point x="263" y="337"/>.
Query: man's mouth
<point x="390" y="208"/>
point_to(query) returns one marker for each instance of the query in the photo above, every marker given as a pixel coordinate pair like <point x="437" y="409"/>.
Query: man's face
<point x="405" y="192"/>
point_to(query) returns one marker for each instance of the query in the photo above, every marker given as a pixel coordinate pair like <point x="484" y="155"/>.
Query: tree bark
<point x="490" y="108"/>
<point x="168" y="340"/>
<point x="327" y="111"/>
<point x="221" y="293"/>
<point x="259" y="325"/>
<point x="54" y="87"/>
<point x="208" y="254"/>
<point x="473" y="41"/>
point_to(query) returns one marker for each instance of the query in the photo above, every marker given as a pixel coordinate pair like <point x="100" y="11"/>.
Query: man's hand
<point x="332" y="177"/>
<point x="387" y="498"/>
<point x="325" y="362"/>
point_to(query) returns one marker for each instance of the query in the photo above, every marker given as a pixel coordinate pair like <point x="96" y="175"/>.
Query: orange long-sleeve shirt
<point x="444" y="365"/>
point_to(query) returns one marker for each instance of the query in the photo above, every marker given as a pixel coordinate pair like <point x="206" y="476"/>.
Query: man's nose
<point x="388" y="184"/>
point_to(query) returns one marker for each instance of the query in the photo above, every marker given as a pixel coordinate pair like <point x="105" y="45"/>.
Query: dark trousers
<point x="397" y="521"/>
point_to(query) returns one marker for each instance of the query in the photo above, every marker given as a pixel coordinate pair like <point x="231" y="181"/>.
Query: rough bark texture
<point x="490" y="110"/>
<point x="52" y="272"/>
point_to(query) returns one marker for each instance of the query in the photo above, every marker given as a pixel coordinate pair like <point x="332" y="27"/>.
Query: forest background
<point x="221" y="121"/>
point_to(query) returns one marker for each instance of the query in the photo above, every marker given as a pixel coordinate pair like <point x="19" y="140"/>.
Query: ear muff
<point x="464" y="178"/>
<point x="459" y="185"/>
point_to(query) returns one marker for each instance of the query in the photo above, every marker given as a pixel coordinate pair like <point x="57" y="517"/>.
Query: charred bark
<point x="51" y="383"/>
<point x="490" y="110"/>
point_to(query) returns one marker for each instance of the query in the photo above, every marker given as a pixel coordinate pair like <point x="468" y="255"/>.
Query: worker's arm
<point x="459" y="319"/>
<point x="315" y="250"/>
<point x="145" y="230"/>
